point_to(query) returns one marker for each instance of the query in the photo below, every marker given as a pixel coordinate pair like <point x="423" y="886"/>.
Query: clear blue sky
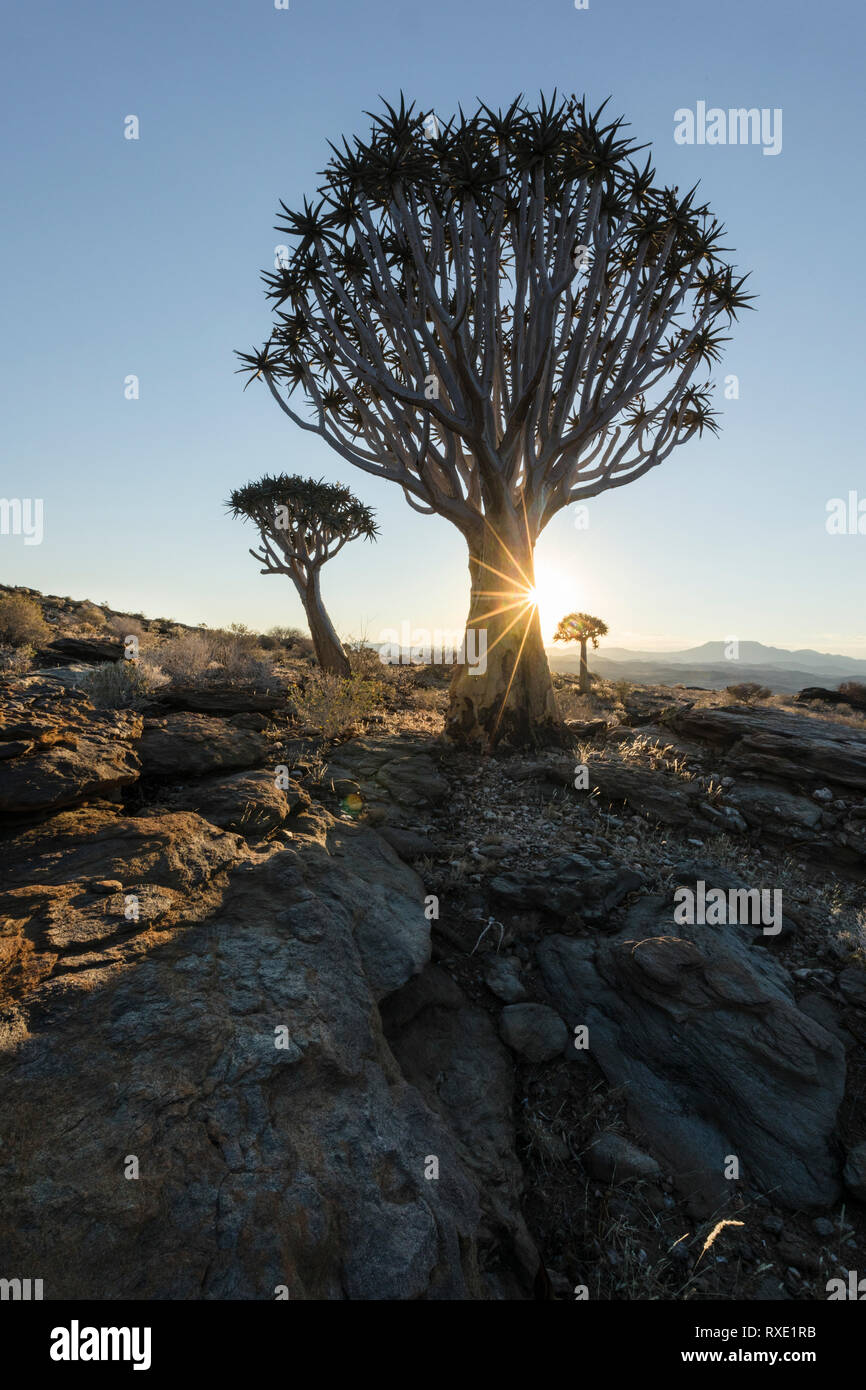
<point x="143" y="257"/>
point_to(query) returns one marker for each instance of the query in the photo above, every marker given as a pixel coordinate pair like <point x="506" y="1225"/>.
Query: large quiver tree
<point x="503" y="315"/>
<point x="301" y="524"/>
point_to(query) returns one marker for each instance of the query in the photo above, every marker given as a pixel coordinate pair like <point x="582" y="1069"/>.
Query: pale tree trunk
<point x="584" y="669"/>
<point x="512" y="701"/>
<point x="329" y="650"/>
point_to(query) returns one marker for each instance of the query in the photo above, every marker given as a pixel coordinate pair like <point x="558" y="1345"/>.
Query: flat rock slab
<point x="448" y="1049"/>
<point x="68" y="752"/>
<point x="780" y="744"/>
<point x="220" y="699"/>
<point x="192" y="745"/>
<point x="84" y="893"/>
<point x="249" y="802"/>
<point x="702" y="1031"/>
<point x="66" y="650"/>
<point x="397" y="772"/>
<point x="241" y="1060"/>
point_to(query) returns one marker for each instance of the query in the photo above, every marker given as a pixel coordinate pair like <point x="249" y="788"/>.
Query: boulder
<point x="534" y="1031"/>
<point x="65" y="651"/>
<point x="219" y="698"/>
<point x="502" y="977"/>
<point x="789" y="748"/>
<point x="192" y="745"/>
<point x="613" y="1158"/>
<point x="702" y="1032"/>
<point x="238" y="1057"/>
<point x="250" y="802"/>
<point x="831" y="697"/>
<point x="60" y="751"/>
<point x="396" y="771"/>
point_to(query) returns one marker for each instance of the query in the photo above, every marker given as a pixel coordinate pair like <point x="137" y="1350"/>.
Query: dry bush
<point x="123" y="627"/>
<point x="364" y="661"/>
<point x="21" y="621"/>
<point x="183" y="658"/>
<point x="15" y="661"/>
<point x="287" y="636"/>
<point x="88" y="615"/>
<point x="238" y="655"/>
<point x="189" y="657"/>
<point x="854" y="690"/>
<point x="335" y="704"/>
<point x="749" y="692"/>
<point x="119" y="684"/>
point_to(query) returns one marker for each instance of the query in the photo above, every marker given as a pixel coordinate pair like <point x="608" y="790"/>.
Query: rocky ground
<point x="363" y="1016"/>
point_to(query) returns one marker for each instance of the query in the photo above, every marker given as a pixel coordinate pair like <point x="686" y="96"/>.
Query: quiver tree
<point x="302" y="523"/>
<point x="502" y="314"/>
<point x="582" y="628"/>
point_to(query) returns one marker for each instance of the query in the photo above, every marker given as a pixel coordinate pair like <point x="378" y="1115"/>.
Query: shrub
<point x="120" y="626"/>
<point x="184" y="657"/>
<point x="16" y="660"/>
<point x="118" y="684"/>
<point x="197" y="656"/>
<point x="855" y="691"/>
<point x="749" y="692"/>
<point x="365" y="661"/>
<point x="21" y="621"/>
<point x="237" y="653"/>
<point x="335" y="704"/>
<point x="289" y="635"/>
<point x="89" y="615"/>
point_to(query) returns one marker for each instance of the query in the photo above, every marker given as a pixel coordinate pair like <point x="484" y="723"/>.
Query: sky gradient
<point x="143" y="257"/>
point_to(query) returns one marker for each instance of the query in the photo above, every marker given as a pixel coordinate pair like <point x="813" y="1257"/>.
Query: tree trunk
<point x="511" y="702"/>
<point x="584" y="669"/>
<point x="329" y="651"/>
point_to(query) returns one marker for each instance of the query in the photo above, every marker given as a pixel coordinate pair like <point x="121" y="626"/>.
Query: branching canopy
<point x="500" y="310"/>
<point x="308" y="521"/>
<point x="580" y="627"/>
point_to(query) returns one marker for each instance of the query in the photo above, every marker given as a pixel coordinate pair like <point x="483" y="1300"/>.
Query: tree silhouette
<point x="582" y="628"/>
<point x="302" y="523"/>
<point x="502" y="314"/>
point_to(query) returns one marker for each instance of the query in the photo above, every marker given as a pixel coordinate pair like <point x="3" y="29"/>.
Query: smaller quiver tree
<point x="582" y="628"/>
<point x="301" y="524"/>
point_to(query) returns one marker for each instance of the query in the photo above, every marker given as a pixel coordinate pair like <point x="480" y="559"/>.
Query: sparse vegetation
<point x="16" y="660"/>
<point x="89" y="616"/>
<point x="122" y="627"/>
<point x="21" y="621"/>
<point x="749" y="692"/>
<point x="335" y="704"/>
<point x="119" y="684"/>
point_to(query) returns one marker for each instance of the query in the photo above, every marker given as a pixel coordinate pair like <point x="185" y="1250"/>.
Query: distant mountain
<point x="706" y="665"/>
